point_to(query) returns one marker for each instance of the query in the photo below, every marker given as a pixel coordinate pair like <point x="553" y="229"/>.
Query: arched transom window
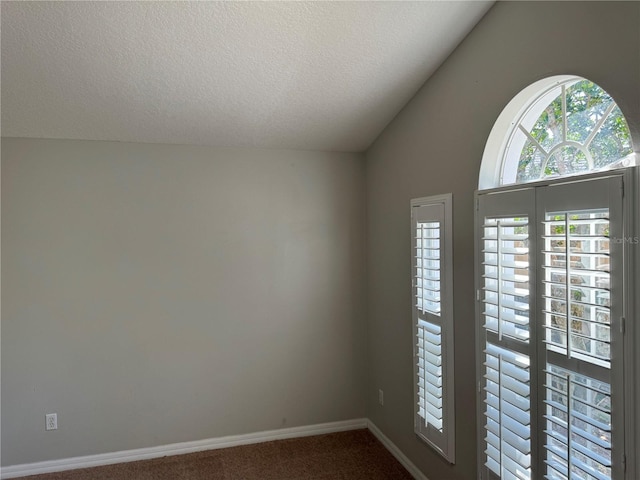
<point x="557" y="127"/>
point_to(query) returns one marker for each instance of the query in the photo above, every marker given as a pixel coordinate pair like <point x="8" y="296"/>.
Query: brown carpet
<point x="353" y="455"/>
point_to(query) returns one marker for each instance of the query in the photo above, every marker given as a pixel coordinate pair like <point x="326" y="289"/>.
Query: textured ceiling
<point x="304" y="75"/>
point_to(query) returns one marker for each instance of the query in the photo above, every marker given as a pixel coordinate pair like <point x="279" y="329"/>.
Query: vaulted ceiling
<point x="302" y="75"/>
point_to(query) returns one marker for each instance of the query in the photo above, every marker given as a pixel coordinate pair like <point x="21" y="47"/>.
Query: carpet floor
<point x="353" y="455"/>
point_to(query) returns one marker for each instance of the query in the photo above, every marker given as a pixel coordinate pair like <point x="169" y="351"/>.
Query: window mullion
<point x="533" y="140"/>
<point x="598" y="125"/>
<point x="564" y="114"/>
<point x="567" y="282"/>
<point x="499" y="275"/>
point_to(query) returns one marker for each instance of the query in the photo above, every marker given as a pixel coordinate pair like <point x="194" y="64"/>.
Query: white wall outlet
<point x="51" y="421"/>
<point x="380" y="397"/>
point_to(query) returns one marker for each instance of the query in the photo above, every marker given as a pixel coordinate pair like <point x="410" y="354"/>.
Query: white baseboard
<point x="23" y="470"/>
<point x="396" y="452"/>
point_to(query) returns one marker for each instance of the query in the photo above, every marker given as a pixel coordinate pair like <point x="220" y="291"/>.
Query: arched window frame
<point x="499" y="162"/>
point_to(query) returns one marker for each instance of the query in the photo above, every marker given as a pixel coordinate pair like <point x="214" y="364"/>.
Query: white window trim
<point x="497" y="143"/>
<point x="443" y="443"/>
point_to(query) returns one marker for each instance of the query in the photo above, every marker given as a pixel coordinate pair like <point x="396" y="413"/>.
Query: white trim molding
<point x="73" y="463"/>
<point x="125" y="456"/>
<point x="396" y="452"/>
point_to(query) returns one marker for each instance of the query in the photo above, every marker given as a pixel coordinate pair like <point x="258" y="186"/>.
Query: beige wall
<point x="435" y="146"/>
<point x="154" y="294"/>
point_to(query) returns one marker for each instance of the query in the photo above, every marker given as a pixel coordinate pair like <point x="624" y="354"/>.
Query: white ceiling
<point x="303" y="75"/>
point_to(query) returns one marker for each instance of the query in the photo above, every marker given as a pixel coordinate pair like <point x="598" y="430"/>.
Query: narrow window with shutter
<point x="433" y="322"/>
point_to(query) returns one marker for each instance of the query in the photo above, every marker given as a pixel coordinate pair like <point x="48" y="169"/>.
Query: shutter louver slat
<point x="507" y="250"/>
<point x="505" y="222"/>
<point x="510" y="398"/>
<point x="516" y="469"/>
<point x="589" y="453"/>
<point x="519" y="264"/>
<point x="553" y="471"/>
<point x="508" y="315"/>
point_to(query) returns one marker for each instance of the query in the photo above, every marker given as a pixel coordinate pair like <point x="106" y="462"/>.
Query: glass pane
<point x="548" y="129"/>
<point x="590" y="134"/>
<point x="612" y="142"/>
<point x="530" y="164"/>
<point x="586" y="105"/>
<point x="566" y="160"/>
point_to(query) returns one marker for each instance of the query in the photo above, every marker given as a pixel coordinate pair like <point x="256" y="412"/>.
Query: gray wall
<point x="154" y="294"/>
<point x="435" y="146"/>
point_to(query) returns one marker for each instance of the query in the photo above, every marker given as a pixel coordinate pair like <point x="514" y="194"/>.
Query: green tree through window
<point x="581" y="130"/>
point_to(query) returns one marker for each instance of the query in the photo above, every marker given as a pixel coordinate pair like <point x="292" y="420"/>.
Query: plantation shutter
<point x="505" y="307"/>
<point x="581" y="308"/>
<point x="432" y="320"/>
<point x="550" y="331"/>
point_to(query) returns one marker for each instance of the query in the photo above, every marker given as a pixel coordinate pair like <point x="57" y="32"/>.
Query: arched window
<point x="554" y="285"/>
<point x="557" y="127"/>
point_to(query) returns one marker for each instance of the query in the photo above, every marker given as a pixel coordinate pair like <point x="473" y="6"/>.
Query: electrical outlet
<point x="380" y="397"/>
<point x="52" y="421"/>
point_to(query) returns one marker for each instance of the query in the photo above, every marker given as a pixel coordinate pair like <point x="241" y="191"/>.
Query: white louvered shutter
<point x="581" y="307"/>
<point x="505" y="307"/>
<point x="550" y="304"/>
<point x="432" y="319"/>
